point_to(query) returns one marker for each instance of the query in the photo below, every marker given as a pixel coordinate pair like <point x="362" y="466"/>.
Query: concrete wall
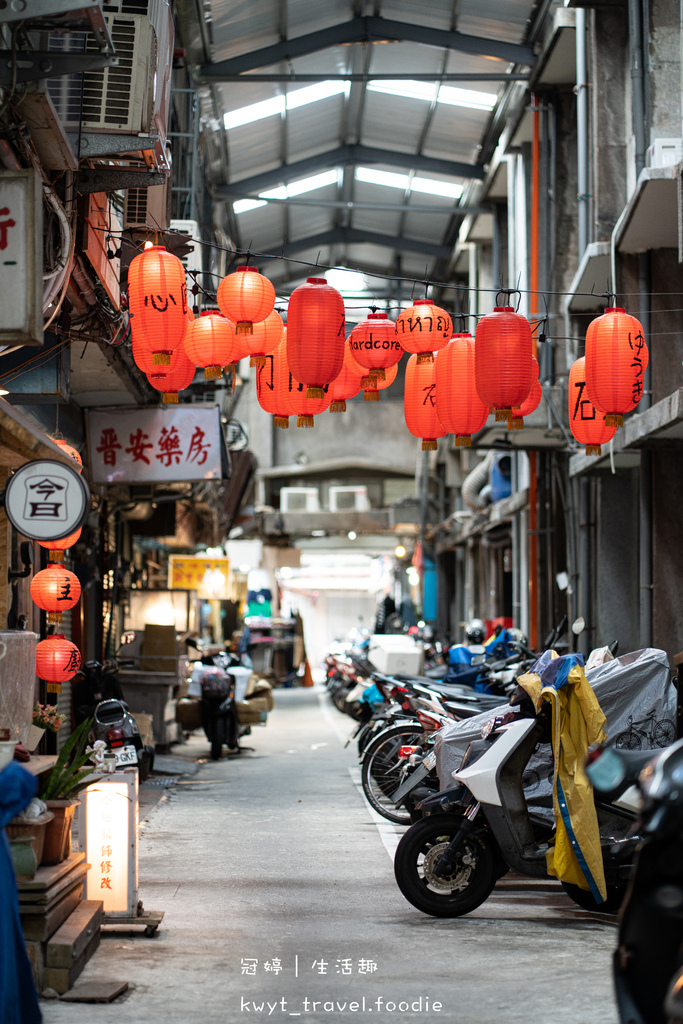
<point x="616" y="585"/>
<point x="667" y="500"/>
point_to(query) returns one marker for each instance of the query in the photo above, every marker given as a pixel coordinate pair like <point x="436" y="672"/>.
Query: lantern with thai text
<point x="419" y="403"/>
<point x="57" y="660"/>
<point x="616" y="359"/>
<point x="424" y="329"/>
<point x="176" y="379"/>
<point x="56" y="548"/>
<point x="315" y="335"/>
<point x="245" y="297"/>
<point x="458" y="406"/>
<point x="502" y="360"/>
<point x="157" y="301"/>
<point x="211" y="342"/>
<point x="587" y="424"/>
<point x="375" y="345"/>
<point x="55" y="590"/>
<point x="272" y="386"/>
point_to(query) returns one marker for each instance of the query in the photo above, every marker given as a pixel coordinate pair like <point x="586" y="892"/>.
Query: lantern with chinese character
<point x="458" y="406"/>
<point x="70" y="451"/>
<point x="56" y="548"/>
<point x="424" y="329"/>
<point x="346" y="385"/>
<point x="616" y="358"/>
<point x="266" y="337"/>
<point x="57" y="660"/>
<point x="370" y="382"/>
<point x="315" y="335"/>
<point x="502" y="360"/>
<point x="375" y="345"/>
<point x="419" y="403"/>
<point x="530" y="403"/>
<point x="272" y="386"/>
<point x="176" y="379"/>
<point x="55" y="590"/>
<point x="245" y="297"/>
<point x="587" y="424"/>
<point x="211" y="342"/>
<point x="157" y="300"/>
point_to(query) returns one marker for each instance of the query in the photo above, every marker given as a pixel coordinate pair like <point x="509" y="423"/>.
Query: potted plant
<point x="45" y="716"/>
<point x="59" y="788"/>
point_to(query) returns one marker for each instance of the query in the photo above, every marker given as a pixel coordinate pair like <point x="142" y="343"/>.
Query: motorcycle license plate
<point x="126" y="755"/>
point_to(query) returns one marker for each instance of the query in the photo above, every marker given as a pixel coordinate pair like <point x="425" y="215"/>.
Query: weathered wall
<point x="616" y="581"/>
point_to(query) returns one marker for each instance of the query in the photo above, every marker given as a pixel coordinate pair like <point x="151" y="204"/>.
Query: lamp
<point x="109" y="822"/>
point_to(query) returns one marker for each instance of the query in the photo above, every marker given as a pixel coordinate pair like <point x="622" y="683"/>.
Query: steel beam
<point x="106" y="179"/>
<point x="351" y="204"/>
<point x="356" y="236"/>
<point x="25" y="10"/>
<point x="456" y="76"/>
<point x="34" y="65"/>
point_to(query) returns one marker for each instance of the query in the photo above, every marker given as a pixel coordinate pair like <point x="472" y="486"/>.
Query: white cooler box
<point x="392" y="653"/>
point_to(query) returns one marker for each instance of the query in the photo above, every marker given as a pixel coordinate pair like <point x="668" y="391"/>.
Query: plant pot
<point x="35" y="830"/>
<point x="23" y="858"/>
<point x="35" y="735"/>
<point x="57" y="844"/>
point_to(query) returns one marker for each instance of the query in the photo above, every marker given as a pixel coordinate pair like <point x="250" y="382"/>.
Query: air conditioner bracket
<point x="34" y="65"/>
<point x="112" y="180"/>
<point x="93" y="144"/>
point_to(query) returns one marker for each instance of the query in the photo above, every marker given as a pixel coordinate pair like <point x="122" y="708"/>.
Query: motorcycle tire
<point x="218" y="738"/>
<point x="381" y="774"/>
<point x="585" y="899"/>
<point x="420" y="849"/>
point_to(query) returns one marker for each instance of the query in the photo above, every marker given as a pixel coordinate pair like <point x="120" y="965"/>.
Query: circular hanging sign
<point x="46" y="500"/>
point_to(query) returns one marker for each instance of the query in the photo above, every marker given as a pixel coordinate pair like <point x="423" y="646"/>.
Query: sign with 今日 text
<point x="46" y="500"/>
<point x="155" y="445"/>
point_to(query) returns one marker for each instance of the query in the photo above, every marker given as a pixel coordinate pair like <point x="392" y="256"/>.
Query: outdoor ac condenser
<point x="349" y="499"/>
<point x="299" y="499"/>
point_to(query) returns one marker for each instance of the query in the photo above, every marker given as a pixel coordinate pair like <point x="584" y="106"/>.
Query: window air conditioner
<point x="146" y="208"/>
<point x="349" y="499"/>
<point x="192" y="261"/>
<point x="299" y="499"/>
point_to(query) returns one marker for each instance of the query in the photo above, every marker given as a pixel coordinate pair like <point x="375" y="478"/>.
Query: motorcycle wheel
<point x="460" y="893"/>
<point x="585" y="899"/>
<point x="381" y="774"/>
<point x="218" y="737"/>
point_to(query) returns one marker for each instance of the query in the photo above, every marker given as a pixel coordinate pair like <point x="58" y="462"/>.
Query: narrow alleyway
<point x="274" y="859"/>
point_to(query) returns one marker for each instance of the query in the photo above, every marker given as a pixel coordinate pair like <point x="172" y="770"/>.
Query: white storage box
<point x="392" y="653"/>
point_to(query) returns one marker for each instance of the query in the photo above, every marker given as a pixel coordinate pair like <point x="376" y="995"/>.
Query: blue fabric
<point x="459" y="654"/>
<point x="372" y="696"/>
<point x="18" y="999"/>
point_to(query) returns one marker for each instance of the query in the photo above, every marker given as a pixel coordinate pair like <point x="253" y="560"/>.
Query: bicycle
<point x="657" y="734"/>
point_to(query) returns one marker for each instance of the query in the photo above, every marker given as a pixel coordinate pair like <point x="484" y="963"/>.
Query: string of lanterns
<point x="452" y="381"/>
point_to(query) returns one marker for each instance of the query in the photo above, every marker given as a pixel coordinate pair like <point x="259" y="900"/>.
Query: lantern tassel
<point x="315" y="392"/>
<point x="463" y="441"/>
<point x="593" y="449"/>
<point x="244" y="327"/>
<point x="503" y="414"/>
<point x="378" y="374"/>
<point x="304" y="421"/>
<point x="429" y="446"/>
<point x="613" y="419"/>
<point x="371" y="396"/>
<point x="213" y="372"/>
<point x="516" y="423"/>
<point x="338" y="406"/>
<point x="53" y="618"/>
<point x="170" y="398"/>
<point x="56" y="556"/>
<point x="424" y="357"/>
<point x="54" y="687"/>
<point x="257" y="361"/>
<point x="161" y="359"/>
<point x="281" y="421"/>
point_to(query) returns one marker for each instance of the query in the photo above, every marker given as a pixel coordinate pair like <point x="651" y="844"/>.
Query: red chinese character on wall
<point x="197" y="451"/>
<point x="4" y="225"/>
<point x="138" y="445"/>
<point x="169" y="443"/>
<point x="109" y="442"/>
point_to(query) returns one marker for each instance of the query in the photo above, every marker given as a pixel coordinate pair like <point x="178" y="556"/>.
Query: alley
<point x="280" y="901"/>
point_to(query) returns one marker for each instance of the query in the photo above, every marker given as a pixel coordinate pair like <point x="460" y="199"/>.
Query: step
<point x="72" y="946"/>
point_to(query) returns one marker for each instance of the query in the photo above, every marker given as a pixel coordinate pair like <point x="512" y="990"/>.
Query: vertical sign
<point x="21" y="258"/>
<point x="110" y="812"/>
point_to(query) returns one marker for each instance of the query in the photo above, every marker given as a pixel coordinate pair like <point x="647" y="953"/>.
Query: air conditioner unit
<point x="349" y="499"/>
<point x="146" y="207"/>
<point x="299" y="499"/>
<point x="665" y="153"/>
<point x="192" y="261"/>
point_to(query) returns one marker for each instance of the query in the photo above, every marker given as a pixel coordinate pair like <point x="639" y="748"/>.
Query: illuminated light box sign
<point x="109" y="821"/>
<point x="208" y="576"/>
<point x="155" y="445"/>
<point x="46" y="500"/>
<point x="21" y="271"/>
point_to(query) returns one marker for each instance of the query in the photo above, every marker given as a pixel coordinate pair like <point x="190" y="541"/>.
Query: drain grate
<point x="161" y="780"/>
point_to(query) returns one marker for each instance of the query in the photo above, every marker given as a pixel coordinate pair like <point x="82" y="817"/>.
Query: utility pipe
<point x="582" y="143"/>
<point x="533" y="310"/>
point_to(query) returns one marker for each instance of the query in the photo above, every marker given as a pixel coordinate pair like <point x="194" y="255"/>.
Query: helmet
<point x="475" y="631"/>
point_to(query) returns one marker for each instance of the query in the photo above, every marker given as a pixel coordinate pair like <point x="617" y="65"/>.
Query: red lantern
<point x="587" y="424"/>
<point x="616" y="358"/>
<point x="419" y="403"/>
<point x="56" y="548"/>
<point x="57" y="659"/>
<point x="174" y="380"/>
<point x="370" y="382"/>
<point x="144" y="359"/>
<point x="210" y="342"/>
<point x="347" y="385"/>
<point x="245" y="297"/>
<point x="55" y="590"/>
<point x="530" y="403"/>
<point x="375" y="345"/>
<point x="71" y="452"/>
<point x="424" y="329"/>
<point x="157" y="300"/>
<point x="303" y="407"/>
<point x="458" y="406"/>
<point x="315" y="334"/>
<point x="272" y="386"/>
<point x="266" y="337"/>
<point x="502" y="360"/>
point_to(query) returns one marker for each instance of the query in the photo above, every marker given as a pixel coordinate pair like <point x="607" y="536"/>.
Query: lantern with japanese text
<point x="157" y="301"/>
<point x="70" y="451"/>
<point x="55" y="590"/>
<point x="458" y="406"/>
<point x="266" y="337"/>
<point x="369" y="382"/>
<point x="315" y="335"/>
<point x="345" y="386"/>
<point x="272" y="386"/>
<point x="56" y="548"/>
<point x="57" y="660"/>
<point x="176" y="379"/>
<point x="210" y="341"/>
<point x="424" y="329"/>
<point x="419" y="403"/>
<point x="530" y="403"/>
<point x="245" y="297"/>
<point x="587" y="424"/>
<point x="375" y="345"/>
<point x="502" y="360"/>
<point x="616" y="359"/>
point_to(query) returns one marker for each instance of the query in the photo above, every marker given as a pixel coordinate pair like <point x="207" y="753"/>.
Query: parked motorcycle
<point x="218" y="705"/>
<point x="114" y="724"/>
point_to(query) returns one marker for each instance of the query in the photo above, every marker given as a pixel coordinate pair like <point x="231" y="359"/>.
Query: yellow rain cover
<point x="577" y="723"/>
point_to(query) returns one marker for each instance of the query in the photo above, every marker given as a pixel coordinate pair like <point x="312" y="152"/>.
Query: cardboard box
<point x="146" y="727"/>
<point x="393" y="653"/>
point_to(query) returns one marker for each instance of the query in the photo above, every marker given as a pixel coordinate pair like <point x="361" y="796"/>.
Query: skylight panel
<point x="452" y="96"/>
<point x="278" y="104"/>
<point x="427" y="186"/>
<point x="389" y="178"/>
<point x="294" y="188"/>
<point x="467" y="98"/>
<point x="408" y="89"/>
<point x="312" y="93"/>
<point x="244" y="205"/>
<point x="431" y="187"/>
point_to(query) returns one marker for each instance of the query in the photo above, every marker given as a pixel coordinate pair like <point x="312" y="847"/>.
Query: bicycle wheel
<point x="629" y="740"/>
<point x="381" y="773"/>
<point x="664" y="733"/>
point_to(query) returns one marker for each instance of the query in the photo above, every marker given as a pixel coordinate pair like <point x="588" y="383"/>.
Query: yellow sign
<point x="208" y="576"/>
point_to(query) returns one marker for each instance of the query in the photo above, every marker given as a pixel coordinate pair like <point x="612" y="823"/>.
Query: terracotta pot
<point x="34" y="830"/>
<point x="57" y="844"/>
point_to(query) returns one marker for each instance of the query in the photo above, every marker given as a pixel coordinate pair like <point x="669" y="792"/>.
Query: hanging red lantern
<point x="616" y="359"/>
<point x="176" y="379"/>
<point x="57" y="660"/>
<point x="530" y="403"/>
<point x="266" y="337"/>
<point x="56" y="548"/>
<point x="424" y="329"/>
<point x="502" y="360"/>
<point x="345" y="386"/>
<point x="419" y="403"/>
<point x="272" y="386"/>
<point x="375" y="345"/>
<point x="458" y="406"/>
<point x="245" y="297"/>
<point x="55" y="590"/>
<point x="369" y="379"/>
<point x="70" y="451"/>
<point x="145" y="361"/>
<point x="315" y="334"/>
<point x="586" y="422"/>
<point x="303" y="407"/>
<point x="157" y="301"/>
<point x="210" y="341"/>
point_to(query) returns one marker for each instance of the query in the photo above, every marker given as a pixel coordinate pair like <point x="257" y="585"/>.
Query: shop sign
<point x="155" y="445"/>
<point x="21" y="264"/>
<point x="46" y="500"/>
<point x="208" y="576"/>
<point x="109" y="823"/>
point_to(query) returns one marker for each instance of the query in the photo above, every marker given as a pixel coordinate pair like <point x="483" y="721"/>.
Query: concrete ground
<point x="280" y="902"/>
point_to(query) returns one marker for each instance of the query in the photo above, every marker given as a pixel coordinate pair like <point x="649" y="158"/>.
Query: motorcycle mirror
<point x="128" y="637"/>
<point x="578" y="625"/>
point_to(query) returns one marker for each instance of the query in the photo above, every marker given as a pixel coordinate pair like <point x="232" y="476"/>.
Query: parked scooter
<point x="218" y="708"/>
<point x="648" y="961"/>
<point x="114" y="724"/>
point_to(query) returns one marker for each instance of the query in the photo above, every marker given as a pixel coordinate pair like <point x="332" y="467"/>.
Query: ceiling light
<point x="450" y="95"/>
<point x="4" y="391"/>
<point x="400" y="551"/>
<point x="352" y="534"/>
<point x="286" y="572"/>
<point x="278" y="104"/>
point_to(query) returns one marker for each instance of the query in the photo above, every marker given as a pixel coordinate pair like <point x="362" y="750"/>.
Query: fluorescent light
<point x="450" y="95"/>
<point x="278" y="104"/>
<point x="294" y="188"/>
<point x="428" y="186"/>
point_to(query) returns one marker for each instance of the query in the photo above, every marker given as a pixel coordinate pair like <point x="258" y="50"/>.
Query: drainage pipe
<point x="582" y="142"/>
